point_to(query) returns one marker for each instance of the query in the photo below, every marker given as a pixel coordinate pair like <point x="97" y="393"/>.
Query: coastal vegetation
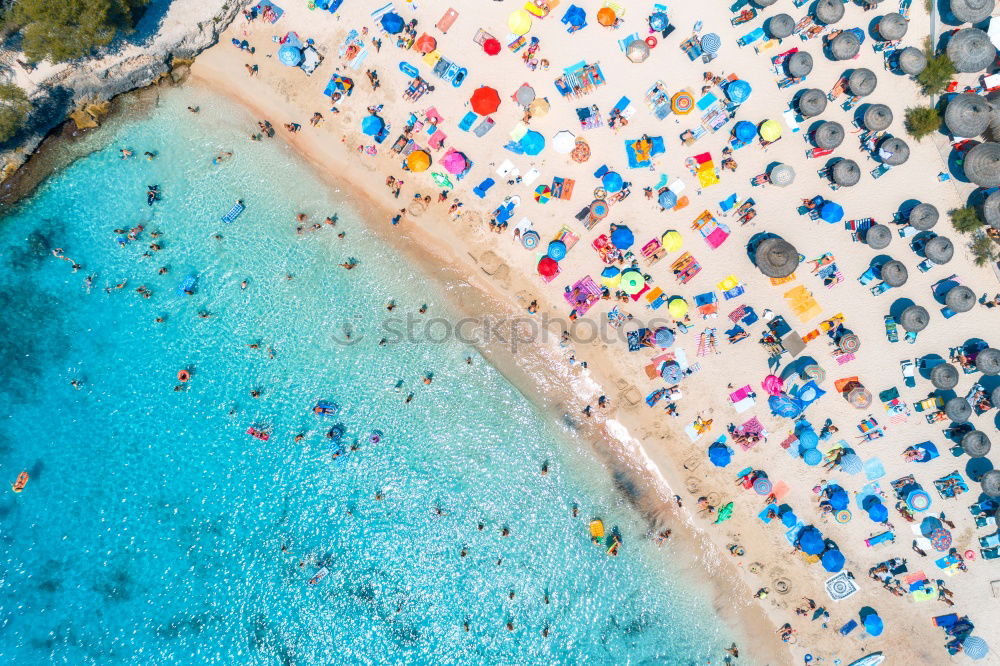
<point x="965" y="220"/>
<point x="939" y="71"/>
<point x="921" y="121"/>
<point x="14" y="108"/>
<point x="70" y="29"/>
<point x="984" y="249"/>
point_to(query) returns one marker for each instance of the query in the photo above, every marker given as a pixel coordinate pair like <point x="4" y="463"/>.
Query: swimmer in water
<point x="350" y="263"/>
<point x="221" y="157"/>
<point x="88" y="282"/>
<point x="243" y="285"/>
<point x="149" y="155"/>
<point x="423" y="309"/>
<point x="75" y="384"/>
<point x="390" y="305"/>
<point x="409" y="399"/>
<point x="399" y="386"/>
<point x="164" y="270"/>
<point x="254" y="393"/>
<point x="204" y="314"/>
<point x="428" y="378"/>
<point x="125" y="153"/>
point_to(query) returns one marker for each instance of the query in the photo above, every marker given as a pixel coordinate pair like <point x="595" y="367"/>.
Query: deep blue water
<point x="152" y="527"/>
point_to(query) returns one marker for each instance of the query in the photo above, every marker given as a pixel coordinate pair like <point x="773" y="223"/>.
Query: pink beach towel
<point x="717" y="237"/>
<point x="583" y="295"/>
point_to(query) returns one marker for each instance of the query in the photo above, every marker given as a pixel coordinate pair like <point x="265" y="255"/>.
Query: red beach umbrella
<point x="426" y="43"/>
<point x="548" y="267"/>
<point x="485" y="100"/>
<point x="491" y="46"/>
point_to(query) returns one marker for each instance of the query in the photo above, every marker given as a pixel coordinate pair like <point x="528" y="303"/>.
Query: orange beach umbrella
<point x="426" y="43"/>
<point x="606" y="16"/>
<point x="485" y="100"/>
<point x="418" y="160"/>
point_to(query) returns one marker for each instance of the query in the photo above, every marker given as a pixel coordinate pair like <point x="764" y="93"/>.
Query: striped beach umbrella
<point x="682" y="103"/>
<point x="530" y="239"/>
<point x="762" y="486"/>
<point x="598" y="209"/>
<point x="975" y="647"/>
<point x="851" y="463"/>
<point x="711" y="43"/>
<point x="543" y="193"/>
<point x="842" y="516"/>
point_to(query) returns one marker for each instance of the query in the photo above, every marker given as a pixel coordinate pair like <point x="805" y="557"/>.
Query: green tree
<point x="939" y="71"/>
<point x="965" y="220"/>
<point x="983" y="249"/>
<point x="63" y="30"/>
<point x="14" y="107"/>
<point x="921" y="121"/>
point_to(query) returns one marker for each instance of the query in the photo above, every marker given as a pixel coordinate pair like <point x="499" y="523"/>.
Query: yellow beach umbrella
<point x="770" y="130"/>
<point x="539" y="107"/>
<point x="418" y="161"/>
<point x="672" y="241"/>
<point x="677" y="308"/>
<point x="519" y="22"/>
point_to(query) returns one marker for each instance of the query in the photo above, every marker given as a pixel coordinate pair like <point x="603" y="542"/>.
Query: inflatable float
<point x="320" y="575"/>
<point x="596" y="530"/>
<point x="259" y="434"/>
<point x="20" y="483"/>
<point x="326" y="408"/>
<point x="234" y="212"/>
<point x="188" y="285"/>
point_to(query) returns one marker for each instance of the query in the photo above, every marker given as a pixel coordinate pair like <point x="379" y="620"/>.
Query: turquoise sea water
<point x="152" y="527"/>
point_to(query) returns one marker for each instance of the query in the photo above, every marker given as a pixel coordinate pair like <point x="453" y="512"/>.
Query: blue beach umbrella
<point x="745" y="130"/>
<point x="738" y="92"/>
<point x="833" y="560"/>
<point x="658" y="21"/>
<point x="290" y="55"/>
<point x="808" y="438"/>
<point x="812" y="457"/>
<point x="622" y="238"/>
<point x="878" y="513"/>
<point x="784" y="405"/>
<point x="557" y="250"/>
<point x="671" y="372"/>
<point x="811" y="541"/>
<point x="392" y="23"/>
<point x="711" y="43"/>
<point x="532" y="142"/>
<point x="372" y="125"/>
<point x="975" y="647"/>
<point x="918" y="500"/>
<point x="831" y="212"/>
<point x="838" y="499"/>
<point x="873" y="624"/>
<point x="667" y="199"/>
<point x="851" y="463"/>
<point x="612" y="182"/>
<point x="788" y="519"/>
<point x="663" y="337"/>
<point x="575" y="16"/>
<point x="719" y="454"/>
<point x="610" y="272"/>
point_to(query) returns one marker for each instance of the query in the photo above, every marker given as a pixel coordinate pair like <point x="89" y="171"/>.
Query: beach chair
<point x="482" y="188"/>
<point x="484" y="127"/>
<point x="908" y="368"/>
<point x="991" y="554"/>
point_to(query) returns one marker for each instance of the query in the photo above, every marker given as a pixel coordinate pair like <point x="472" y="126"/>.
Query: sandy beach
<point x="645" y="447"/>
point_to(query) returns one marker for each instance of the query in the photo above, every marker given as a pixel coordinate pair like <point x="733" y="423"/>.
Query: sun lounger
<point x="485" y="126"/>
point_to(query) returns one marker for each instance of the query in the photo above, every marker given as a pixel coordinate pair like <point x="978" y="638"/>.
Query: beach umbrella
<point x="762" y="485"/>
<point x="995" y="397"/>
<point x="632" y="282"/>
<point x="971" y="11"/>
<point x="959" y="298"/>
<point x="892" y="26"/>
<point x="878" y="236"/>
<point x="610" y="272"/>
<point x="815" y="372"/>
<point x="672" y="241"/>
<point x="372" y="125"/>
<point x="780" y="26"/>
<point x="772" y="385"/>
<point x="829" y="11"/>
<point x="851" y="463"/>
<point x="539" y="107"/>
<point x="745" y="130"/>
<point x="524" y="95"/>
<point x="991" y="210"/>
<point x="556" y="250"/>
<point x="391" y="22"/>
<point x="418" y="160"/>
<point x="519" y="22"/>
<point x="485" y="100"/>
<point x="622" y="238"/>
<point x="548" y="267"/>
<point x="769" y="130"/>
<point x="290" y="55"/>
<point x="846" y="45"/>
<point x="877" y="512"/>
<point x="877" y="117"/>
<point x="811" y="457"/>
<point x="971" y="50"/>
<point x="959" y="410"/>
<point x="918" y="500"/>
<point x="893" y="151"/>
<point x="859" y="397"/>
<point x="831" y="212"/>
<point x="808" y="439"/>
<point x="764" y="3"/>
<point x="711" y="43"/>
<point x="738" y="91"/>
<point x="967" y="115"/>
<point x="637" y="51"/>
<point x="598" y="209"/>
<point x="975" y="647"/>
<point x="677" y="307"/>
<point x="914" y="319"/>
<point x="839" y="499"/>
<point x="663" y="337"/>
<point x="975" y="443"/>
<point x="530" y="239"/>
<point x="849" y="343"/>
<point x="923" y="216"/>
<point x="724" y="514"/>
<point x="939" y="249"/>
<point x="845" y="173"/>
<point x="799" y="64"/>
<point x="606" y="16"/>
<point x="426" y="44"/>
<point x="944" y="376"/>
<point x="658" y="21"/>
<point x="990" y="483"/>
<point x="682" y="103"/>
<point x="894" y="273"/>
<point x="671" y="372"/>
<point x="563" y="142"/>
<point x="667" y="199"/>
<point x="581" y="151"/>
<point x="785" y="406"/>
<point x="441" y="180"/>
<point x="788" y="519"/>
<point x="719" y="454"/>
<point x="782" y="175"/>
<point x="612" y="182"/>
<point x="862" y="82"/>
<point x="873" y="624"/>
<point x="940" y="540"/>
<point x="491" y="46"/>
<point x="532" y="142"/>
<point x="811" y="541"/>
<point x="988" y="361"/>
<point x="982" y="164"/>
<point x="833" y="560"/>
<point x="812" y="102"/>
<point x="776" y="257"/>
<point x="829" y="135"/>
<point x="912" y="60"/>
<point x="455" y="163"/>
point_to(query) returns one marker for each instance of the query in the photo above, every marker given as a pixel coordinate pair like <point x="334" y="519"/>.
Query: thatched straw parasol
<point x="923" y="216"/>
<point x="971" y="11"/>
<point x="878" y="236"/>
<point x="912" y="60"/>
<point x="960" y="298"/>
<point x="782" y="175"/>
<point x="893" y="151"/>
<point x="968" y="115"/>
<point x="958" y="410"/>
<point x="991" y="210"/>
<point x="944" y="376"/>
<point x="993" y="133"/>
<point x="799" y="64"/>
<point x="995" y="397"/>
<point x="764" y="3"/>
<point x="892" y="26"/>
<point x="861" y="82"/>
<point x="829" y="11"/>
<point x="940" y="250"/>
<point x="971" y="50"/>
<point x="988" y="361"/>
<point x="990" y="483"/>
<point x="894" y="274"/>
<point x="812" y="102"/>
<point x="780" y="26"/>
<point x="845" y="46"/>
<point x="845" y="173"/>
<point x="776" y="257"/>
<point x="914" y="319"/>
<point x="975" y="443"/>
<point x="982" y="164"/>
<point x="877" y="117"/>
<point x="829" y="135"/>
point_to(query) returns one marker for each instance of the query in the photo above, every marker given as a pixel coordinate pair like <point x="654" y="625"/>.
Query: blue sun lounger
<point x="481" y="189"/>
<point x="468" y="120"/>
<point x="234" y="212"/>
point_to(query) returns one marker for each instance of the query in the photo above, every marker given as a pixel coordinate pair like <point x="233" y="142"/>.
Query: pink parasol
<point x="772" y="384"/>
<point x="454" y="162"/>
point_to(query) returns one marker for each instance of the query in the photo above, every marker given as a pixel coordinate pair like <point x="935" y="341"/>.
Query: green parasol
<point x="441" y="180"/>
<point x="724" y="514"/>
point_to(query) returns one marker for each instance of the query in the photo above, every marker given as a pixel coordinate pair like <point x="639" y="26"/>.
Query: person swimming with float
<point x="152" y="194"/>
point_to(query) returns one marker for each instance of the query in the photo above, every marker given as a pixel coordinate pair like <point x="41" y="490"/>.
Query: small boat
<point x="873" y="659"/>
<point x="20" y="483"/>
<point x="596" y="530"/>
<point x="259" y="434"/>
<point x="320" y="575"/>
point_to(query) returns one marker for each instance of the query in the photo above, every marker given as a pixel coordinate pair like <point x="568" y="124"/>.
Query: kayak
<point x="873" y="659"/>
<point x="596" y="530"/>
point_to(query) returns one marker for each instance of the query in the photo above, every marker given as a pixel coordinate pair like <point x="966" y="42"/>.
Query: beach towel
<point x="635" y="338"/>
<point x="635" y="158"/>
<point x="447" y="20"/>
<point x="269" y="11"/>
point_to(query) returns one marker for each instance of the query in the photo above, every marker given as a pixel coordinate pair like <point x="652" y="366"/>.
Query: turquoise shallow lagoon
<point x="153" y="526"/>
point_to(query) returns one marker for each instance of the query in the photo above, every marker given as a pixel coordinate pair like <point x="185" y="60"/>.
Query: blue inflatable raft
<point x="187" y="285"/>
<point x="234" y="212"/>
